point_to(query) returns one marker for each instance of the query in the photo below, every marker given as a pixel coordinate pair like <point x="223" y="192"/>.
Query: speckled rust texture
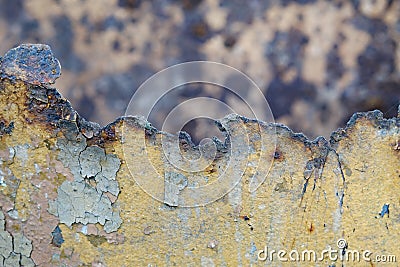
<point x="316" y="194"/>
<point x="316" y="61"/>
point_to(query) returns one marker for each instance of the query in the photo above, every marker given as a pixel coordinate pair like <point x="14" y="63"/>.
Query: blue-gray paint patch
<point x="57" y="238"/>
<point x="385" y="210"/>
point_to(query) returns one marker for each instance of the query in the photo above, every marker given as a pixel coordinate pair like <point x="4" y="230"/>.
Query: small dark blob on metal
<point x="31" y="63"/>
<point x="246" y="218"/>
<point x="305" y="187"/>
<point x="6" y="129"/>
<point x="57" y="238"/>
<point x="278" y="155"/>
<point x="385" y="210"/>
<point x="230" y="41"/>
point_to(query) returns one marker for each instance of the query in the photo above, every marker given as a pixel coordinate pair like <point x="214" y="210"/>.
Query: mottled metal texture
<point x="316" y="193"/>
<point x="317" y="62"/>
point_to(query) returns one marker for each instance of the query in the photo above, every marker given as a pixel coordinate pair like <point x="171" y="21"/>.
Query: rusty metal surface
<point x="65" y="188"/>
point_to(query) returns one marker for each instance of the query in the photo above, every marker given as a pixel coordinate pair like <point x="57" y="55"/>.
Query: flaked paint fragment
<point x="385" y="210"/>
<point x="103" y="184"/>
<point x="69" y="155"/>
<point x="26" y="261"/>
<point x="6" y="246"/>
<point x="22" y="244"/>
<point x="12" y="260"/>
<point x="110" y="166"/>
<point x="89" y="161"/>
<point x="174" y="183"/>
<point x="57" y="238"/>
<point x="15" y="249"/>
<point x="88" y="128"/>
<point x="79" y="202"/>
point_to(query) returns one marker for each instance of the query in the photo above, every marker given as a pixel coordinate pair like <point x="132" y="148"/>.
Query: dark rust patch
<point x="31" y="63"/>
<point x="105" y="135"/>
<point x="6" y="128"/>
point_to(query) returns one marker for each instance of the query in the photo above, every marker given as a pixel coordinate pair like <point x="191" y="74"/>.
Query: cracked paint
<point x="15" y="249"/>
<point x="87" y="163"/>
<point x="79" y="201"/>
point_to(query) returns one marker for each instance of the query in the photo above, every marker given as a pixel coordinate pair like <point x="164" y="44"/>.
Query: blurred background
<point x="317" y="62"/>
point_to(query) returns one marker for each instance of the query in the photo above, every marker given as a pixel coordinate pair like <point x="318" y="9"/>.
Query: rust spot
<point x="311" y="228"/>
<point x="107" y="134"/>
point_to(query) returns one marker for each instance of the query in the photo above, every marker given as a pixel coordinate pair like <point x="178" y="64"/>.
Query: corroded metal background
<point x="317" y="62"/>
